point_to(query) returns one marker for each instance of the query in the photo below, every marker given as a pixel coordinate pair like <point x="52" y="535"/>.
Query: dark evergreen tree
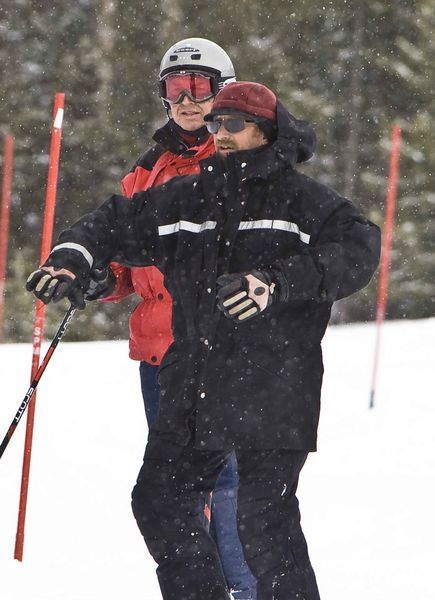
<point x="352" y="68"/>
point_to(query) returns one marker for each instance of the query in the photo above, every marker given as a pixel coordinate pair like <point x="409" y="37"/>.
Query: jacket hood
<point x="296" y="139"/>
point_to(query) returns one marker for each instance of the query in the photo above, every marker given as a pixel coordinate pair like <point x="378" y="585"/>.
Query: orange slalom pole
<point x="38" y="327"/>
<point x="8" y="155"/>
<point x="386" y="252"/>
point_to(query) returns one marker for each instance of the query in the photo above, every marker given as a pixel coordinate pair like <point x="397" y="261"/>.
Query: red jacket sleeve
<point x="124" y="286"/>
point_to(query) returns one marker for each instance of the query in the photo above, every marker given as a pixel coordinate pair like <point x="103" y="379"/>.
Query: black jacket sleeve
<point x="122" y="229"/>
<point x="340" y="261"/>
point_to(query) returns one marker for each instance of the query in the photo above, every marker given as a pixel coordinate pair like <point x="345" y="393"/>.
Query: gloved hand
<point x="101" y="285"/>
<point x="65" y="274"/>
<point x="51" y="285"/>
<point x="242" y="296"/>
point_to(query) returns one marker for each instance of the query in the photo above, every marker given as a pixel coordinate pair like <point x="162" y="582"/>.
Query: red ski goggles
<point x="195" y="86"/>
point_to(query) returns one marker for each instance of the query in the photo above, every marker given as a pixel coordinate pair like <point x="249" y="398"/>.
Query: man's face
<point x="189" y="115"/>
<point x="226" y="142"/>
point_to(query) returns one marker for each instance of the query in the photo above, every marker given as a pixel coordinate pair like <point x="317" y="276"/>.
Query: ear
<point x="261" y="136"/>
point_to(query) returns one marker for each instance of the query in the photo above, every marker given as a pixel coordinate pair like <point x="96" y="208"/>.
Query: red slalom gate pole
<point x="386" y="252"/>
<point x="38" y="327"/>
<point x="8" y="155"/>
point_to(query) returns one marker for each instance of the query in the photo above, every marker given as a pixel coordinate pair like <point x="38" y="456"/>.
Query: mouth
<point x="190" y="113"/>
<point x="223" y="149"/>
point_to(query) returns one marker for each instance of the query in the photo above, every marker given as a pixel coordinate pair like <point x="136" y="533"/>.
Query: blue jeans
<point x="223" y="527"/>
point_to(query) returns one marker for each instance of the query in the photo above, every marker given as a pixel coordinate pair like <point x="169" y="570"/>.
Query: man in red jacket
<point x="191" y="73"/>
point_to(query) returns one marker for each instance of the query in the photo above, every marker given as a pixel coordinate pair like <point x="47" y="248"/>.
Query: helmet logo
<point x="186" y="49"/>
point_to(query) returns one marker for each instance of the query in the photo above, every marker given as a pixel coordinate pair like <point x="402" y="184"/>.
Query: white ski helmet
<point x="200" y="56"/>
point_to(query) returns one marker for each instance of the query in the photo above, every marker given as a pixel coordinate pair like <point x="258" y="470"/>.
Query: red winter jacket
<point x="150" y="322"/>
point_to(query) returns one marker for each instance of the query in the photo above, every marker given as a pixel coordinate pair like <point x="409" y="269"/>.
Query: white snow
<point x="367" y="496"/>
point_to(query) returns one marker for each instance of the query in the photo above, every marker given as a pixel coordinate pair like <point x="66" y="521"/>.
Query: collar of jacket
<point x="170" y="137"/>
<point x="295" y="143"/>
<point x="241" y="165"/>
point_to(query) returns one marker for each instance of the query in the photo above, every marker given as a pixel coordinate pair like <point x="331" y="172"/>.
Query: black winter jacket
<point x="255" y="384"/>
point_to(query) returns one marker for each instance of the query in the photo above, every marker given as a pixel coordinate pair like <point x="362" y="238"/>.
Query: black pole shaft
<point x="25" y="403"/>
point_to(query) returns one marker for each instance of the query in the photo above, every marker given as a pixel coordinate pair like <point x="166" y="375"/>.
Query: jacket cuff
<point x="282" y="289"/>
<point x="72" y="260"/>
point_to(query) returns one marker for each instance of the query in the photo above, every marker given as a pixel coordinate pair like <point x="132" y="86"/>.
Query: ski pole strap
<point x="25" y="403"/>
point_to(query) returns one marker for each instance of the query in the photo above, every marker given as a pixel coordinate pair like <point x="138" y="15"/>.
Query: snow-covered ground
<point x="367" y="497"/>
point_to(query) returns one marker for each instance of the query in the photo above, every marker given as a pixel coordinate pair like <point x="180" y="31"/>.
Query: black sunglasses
<point x="231" y="125"/>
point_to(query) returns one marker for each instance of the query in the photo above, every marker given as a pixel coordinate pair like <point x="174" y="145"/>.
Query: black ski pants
<point x="165" y="505"/>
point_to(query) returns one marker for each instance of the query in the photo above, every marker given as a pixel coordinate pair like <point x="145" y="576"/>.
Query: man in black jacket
<point x="254" y="254"/>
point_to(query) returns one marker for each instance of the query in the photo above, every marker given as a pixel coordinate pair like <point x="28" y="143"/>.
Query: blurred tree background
<point x="352" y="68"/>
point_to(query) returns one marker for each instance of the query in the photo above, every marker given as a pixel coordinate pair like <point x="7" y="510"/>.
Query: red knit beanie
<point x="246" y="98"/>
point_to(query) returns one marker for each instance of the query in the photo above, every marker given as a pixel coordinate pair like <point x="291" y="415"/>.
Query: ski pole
<point x="38" y="326"/>
<point x="24" y="404"/>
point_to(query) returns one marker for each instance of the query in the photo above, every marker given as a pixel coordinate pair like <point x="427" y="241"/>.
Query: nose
<point x="186" y="100"/>
<point x="223" y="133"/>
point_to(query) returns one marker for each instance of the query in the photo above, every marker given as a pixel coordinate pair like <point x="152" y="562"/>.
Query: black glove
<point x="52" y="288"/>
<point x="242" y="296"/>
<point x="65" y="274"/>
<point x="101" y="285"/>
